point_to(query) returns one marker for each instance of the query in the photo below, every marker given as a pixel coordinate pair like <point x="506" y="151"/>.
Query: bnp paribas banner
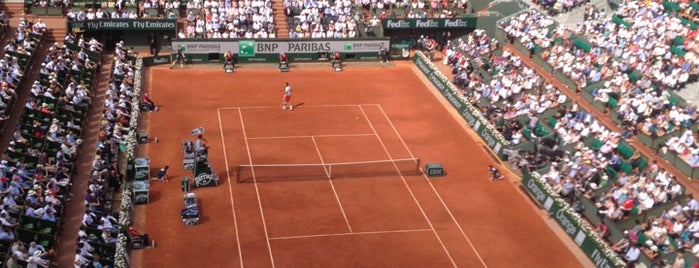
<point x="250" y="48"/>
<point x="393" y="24"/>
<point x="122" y="25"/>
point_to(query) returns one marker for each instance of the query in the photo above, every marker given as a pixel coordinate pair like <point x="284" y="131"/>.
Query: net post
<point x="417" y="166"/>
<point x="237" y="173"/>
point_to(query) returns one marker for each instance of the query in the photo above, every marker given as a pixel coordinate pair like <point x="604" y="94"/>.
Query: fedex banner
<point x="392" y="24"/>
<point x="250" y="48"/>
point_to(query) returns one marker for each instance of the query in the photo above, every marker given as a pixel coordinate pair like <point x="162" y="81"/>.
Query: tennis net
<point x="298" y="172"/>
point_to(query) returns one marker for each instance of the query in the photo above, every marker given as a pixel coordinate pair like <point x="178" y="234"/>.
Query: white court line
<point x="230" y="189"/>
<point x="257" y="190"/>
<point x="310" y="136"/>
<point x="322" y="163"/>
<point x="463" y="233"/>
<point x="444" y="247"/>
<point x="303" y="106"/>
<point x="327" y="172"/>
<point x="346" y="234"/>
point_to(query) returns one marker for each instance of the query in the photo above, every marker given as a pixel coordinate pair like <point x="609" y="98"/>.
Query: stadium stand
<point x="499" y="84"/>
<point x="531" y="28"/>
<point x="229" y="19"/>
<point x="599" y="174"/>
<point x="628" y="81"/>
<point x="40" y="159"/>
<point x="100" y="228"/>
<point x="555" y="7"/>
<point x="321" y="19"/>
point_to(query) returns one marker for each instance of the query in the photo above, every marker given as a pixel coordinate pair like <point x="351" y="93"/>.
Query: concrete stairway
<point x="58" y="28"/>
<point x="13" y="9"/>
<point x="281" y="26"/>
<point x="74" y="209"/>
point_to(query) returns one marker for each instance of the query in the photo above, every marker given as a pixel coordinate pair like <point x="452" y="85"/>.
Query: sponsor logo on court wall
<point x="251" y="48"/>
<point x="246" y="48"/>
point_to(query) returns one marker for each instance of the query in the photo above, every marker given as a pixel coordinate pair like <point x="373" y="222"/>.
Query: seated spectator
<point x="6" y="234"/>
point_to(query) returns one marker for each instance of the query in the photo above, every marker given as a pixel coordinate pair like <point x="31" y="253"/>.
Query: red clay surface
<point x="361" y="114"/>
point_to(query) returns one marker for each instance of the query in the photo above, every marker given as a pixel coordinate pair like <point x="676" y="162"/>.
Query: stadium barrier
<point x="126" y="212"/>
<point x="44" y="11"/>
<point x="470" y="114"/>
<point x="569" y="220"/>
<point x="156" y="60"/>
<point x="268" y="50"/>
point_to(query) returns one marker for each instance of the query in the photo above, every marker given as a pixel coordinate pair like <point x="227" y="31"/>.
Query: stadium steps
<point x="604" y="118"/>
<point x="57" y="26"/>
<point x="74" y="209"/>
<point x="181" y="25"/>
<point x="12" y="9"/>
<point x="280" y="24"/>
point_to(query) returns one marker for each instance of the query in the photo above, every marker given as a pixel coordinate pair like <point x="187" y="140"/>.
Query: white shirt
<point x="287" y="91"/>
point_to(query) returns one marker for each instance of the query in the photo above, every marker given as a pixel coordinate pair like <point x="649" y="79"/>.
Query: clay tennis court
<point x="314" y="212"/>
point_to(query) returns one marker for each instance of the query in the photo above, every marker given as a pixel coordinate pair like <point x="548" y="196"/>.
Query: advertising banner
<point x="122" y="25"/>
<point x="250" y="48"/>
<point x="571" y="224"/>
<point x="436" y="23"/>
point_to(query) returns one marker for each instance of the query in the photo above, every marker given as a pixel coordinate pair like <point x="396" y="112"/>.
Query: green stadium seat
<point x="29" y="226"/>
<point x="583" y="44"/>
<point x="527" y="133"/>
<point x="625" y="150"/>
<point x="643" y="163"/>
<point x="626" y="167"/>
<point x="45" y="243"/>
<point x="642" y="238"/>
<point x="611" y="173"/>
<point x="678" y="41"/>
<point x="634" y="211"/>
<point x="540" y="130"/>
<point x="596" y="144"/>
<point x="678" y="51"/>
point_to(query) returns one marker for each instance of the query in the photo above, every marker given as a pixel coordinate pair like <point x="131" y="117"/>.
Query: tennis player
<point x="286" y="101"/>
<point x="179" y="57"/>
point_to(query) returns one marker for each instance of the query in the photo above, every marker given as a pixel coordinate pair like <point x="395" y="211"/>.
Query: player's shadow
<point x="299" y="105"/>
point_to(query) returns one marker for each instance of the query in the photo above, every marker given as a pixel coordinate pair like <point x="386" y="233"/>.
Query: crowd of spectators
<point x="555" y="7"/>
<point x="531" y="28"/>
<point x="321" y="19"/>
<point x="581" y="158"/>
<point x="415" y="9"/>
<point x="169" y="9"/>
<point x="99" y="227"/>
<point x="33" y="185"/>
<point x="93" y="14"/>
<point x="514" y="90"/>
<point x="635" y="57"/>
<point x="229" y="19"/>
<point x="687" y="11"/>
